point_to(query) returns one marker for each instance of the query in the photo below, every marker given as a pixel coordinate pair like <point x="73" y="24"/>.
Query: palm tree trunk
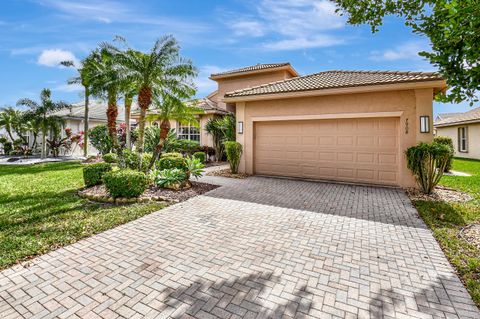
<point x="128" y="108"/>
<point x="112" y="113"/>
<point x="144" y="101"/>
<point x="9" y="131"/>
<point x="43" y="153"/>
<point x="85" y="124"/>
<point x="164" y="129"/>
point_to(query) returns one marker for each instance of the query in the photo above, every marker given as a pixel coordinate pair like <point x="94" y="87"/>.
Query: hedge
<point x="126" y="183"/>
<point x="93" y="173"/>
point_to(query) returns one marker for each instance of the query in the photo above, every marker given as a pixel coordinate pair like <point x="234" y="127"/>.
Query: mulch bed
<point x="440" y="193"/>
<point x="100" y="193"/>
<point x="226" y="173"/>
<point x="471" y="234"/>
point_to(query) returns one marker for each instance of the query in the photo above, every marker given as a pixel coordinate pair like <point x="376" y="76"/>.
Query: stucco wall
<point x="242" y="82"/>
<point x="411" y="103"/>
<point x="473" y="139"/>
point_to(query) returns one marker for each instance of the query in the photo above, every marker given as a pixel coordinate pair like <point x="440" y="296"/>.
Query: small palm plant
<point x="43" y="111"/>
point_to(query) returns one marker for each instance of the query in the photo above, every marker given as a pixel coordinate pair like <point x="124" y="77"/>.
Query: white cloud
<point x="109" y="11"/>
<point x="298" y="24"/>
<point x="53" y="57"/>
<point x="103" y="11"/>
<point x="320" y="41"/>
<point x="406" y="51"/>
<point x="296" y="18"/>
<point x="68" y="88"/>
<point x="249" y="28"/>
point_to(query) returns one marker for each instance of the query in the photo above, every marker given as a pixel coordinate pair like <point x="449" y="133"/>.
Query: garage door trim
<point x="332" y="116"/>
<point x="294" y="118"/>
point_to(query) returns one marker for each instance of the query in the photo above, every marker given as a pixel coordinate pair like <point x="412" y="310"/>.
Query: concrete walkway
<point x="253" y="248"/>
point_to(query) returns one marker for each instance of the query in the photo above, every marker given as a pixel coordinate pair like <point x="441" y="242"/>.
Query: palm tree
<point x="85" y="72"/>
<point x="222" y="129"/>
<point x="129" y="91"/>
<point x="9" y="117"/>
<point x="171" y="108"/>
<point x="106" y="82"/>
<point x="43" y="112"/>
<point x="162" y="72"/>
<point x="32" y="125"/>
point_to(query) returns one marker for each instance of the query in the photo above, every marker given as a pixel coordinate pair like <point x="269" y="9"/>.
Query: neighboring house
<point x="464" y="129"/>
<point x="97" y="114"/>
<point x="351" y="126"/>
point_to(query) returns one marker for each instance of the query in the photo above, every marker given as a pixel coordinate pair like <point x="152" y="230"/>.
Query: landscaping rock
<point x="440" y="193"/>
<point x="99" y="193"/>
<point x="226" y="173"/>
<point x="471" y="233"/>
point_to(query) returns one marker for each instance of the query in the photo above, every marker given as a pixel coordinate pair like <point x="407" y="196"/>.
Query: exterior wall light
<point x="240" y="127"/>
<point x="424" y="124"/>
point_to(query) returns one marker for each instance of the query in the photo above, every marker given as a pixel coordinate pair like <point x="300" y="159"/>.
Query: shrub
<point x="234" y="153"/>
<point x="125" y="183"/>
<point x="93" y="173"/>
<point x="110" y="158"/>
<point x="427" y="162"/>
<point x="200" y="156"/>
<point x="170" y="161"/>
<point x="170" y="178"/>
<point x="194" y="167"/>
<point x="445" y="140"/>
<point x="7" y="146"/>
<point x="131" y="160"/>
<point x="100" y="139"/>
<point x="172" y="154"/>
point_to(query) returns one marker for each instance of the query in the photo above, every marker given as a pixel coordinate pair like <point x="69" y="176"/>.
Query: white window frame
<point x="188" y="132"/>
<point x="463" y="139"/>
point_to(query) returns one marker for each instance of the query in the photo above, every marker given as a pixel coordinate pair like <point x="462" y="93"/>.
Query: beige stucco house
<point x="463" y="129"/>
<point x="351" y="126"/>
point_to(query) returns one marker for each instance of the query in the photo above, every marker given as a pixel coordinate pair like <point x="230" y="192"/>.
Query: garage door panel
<point x="345" y="156"/>
<point x="326" y="140"/>
<point x="356" y="150"/>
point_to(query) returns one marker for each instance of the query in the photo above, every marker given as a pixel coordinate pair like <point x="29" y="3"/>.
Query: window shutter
<point x="459" y="139"/>
<point x="466" y="139"/>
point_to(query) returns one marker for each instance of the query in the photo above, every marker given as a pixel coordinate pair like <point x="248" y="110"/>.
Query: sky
<point x="35" y="35"/>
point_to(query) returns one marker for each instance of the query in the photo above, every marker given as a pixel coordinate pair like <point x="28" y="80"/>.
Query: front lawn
<point x="446" y="220"/>
<point x="40" y="211"/>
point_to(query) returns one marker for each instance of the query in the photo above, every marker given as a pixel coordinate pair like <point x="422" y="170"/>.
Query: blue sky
<point x="217" y="35"/>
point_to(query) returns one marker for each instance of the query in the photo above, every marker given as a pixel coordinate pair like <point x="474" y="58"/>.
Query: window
<point x="187" y="132"/>
<point x="463" y="139"/>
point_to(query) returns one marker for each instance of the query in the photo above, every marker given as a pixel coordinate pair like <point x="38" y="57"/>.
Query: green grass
<point x="40" y="211"/>
<point x="446" y="220"/>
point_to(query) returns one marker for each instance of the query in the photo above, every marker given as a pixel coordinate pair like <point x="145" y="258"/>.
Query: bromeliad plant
<point x="175" y="171"/>
<point x="427" y="161"/>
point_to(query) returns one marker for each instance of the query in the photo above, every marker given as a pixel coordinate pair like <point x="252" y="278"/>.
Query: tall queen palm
<point x="161" y="72"/>
<point x="84" y="78"/>
<point x="43" y="112"/>
<point x="106" y="82"/>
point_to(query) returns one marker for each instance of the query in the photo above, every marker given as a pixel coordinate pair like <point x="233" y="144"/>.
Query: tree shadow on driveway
<point x="444" y="297"/>
<point x="377" y="204"/>
<point x="250" y="296"/>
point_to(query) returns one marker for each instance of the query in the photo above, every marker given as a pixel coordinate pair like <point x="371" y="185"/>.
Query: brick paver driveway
<point x="254" y="248"/>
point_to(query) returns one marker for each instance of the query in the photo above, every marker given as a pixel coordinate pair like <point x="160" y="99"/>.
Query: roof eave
<point x="287" y="67"/>
<point x="456" y="123"/>
<point x="437" y="85"/>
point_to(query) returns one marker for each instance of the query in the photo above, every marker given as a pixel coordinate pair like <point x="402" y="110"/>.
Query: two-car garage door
<point x="362" y="150"/>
